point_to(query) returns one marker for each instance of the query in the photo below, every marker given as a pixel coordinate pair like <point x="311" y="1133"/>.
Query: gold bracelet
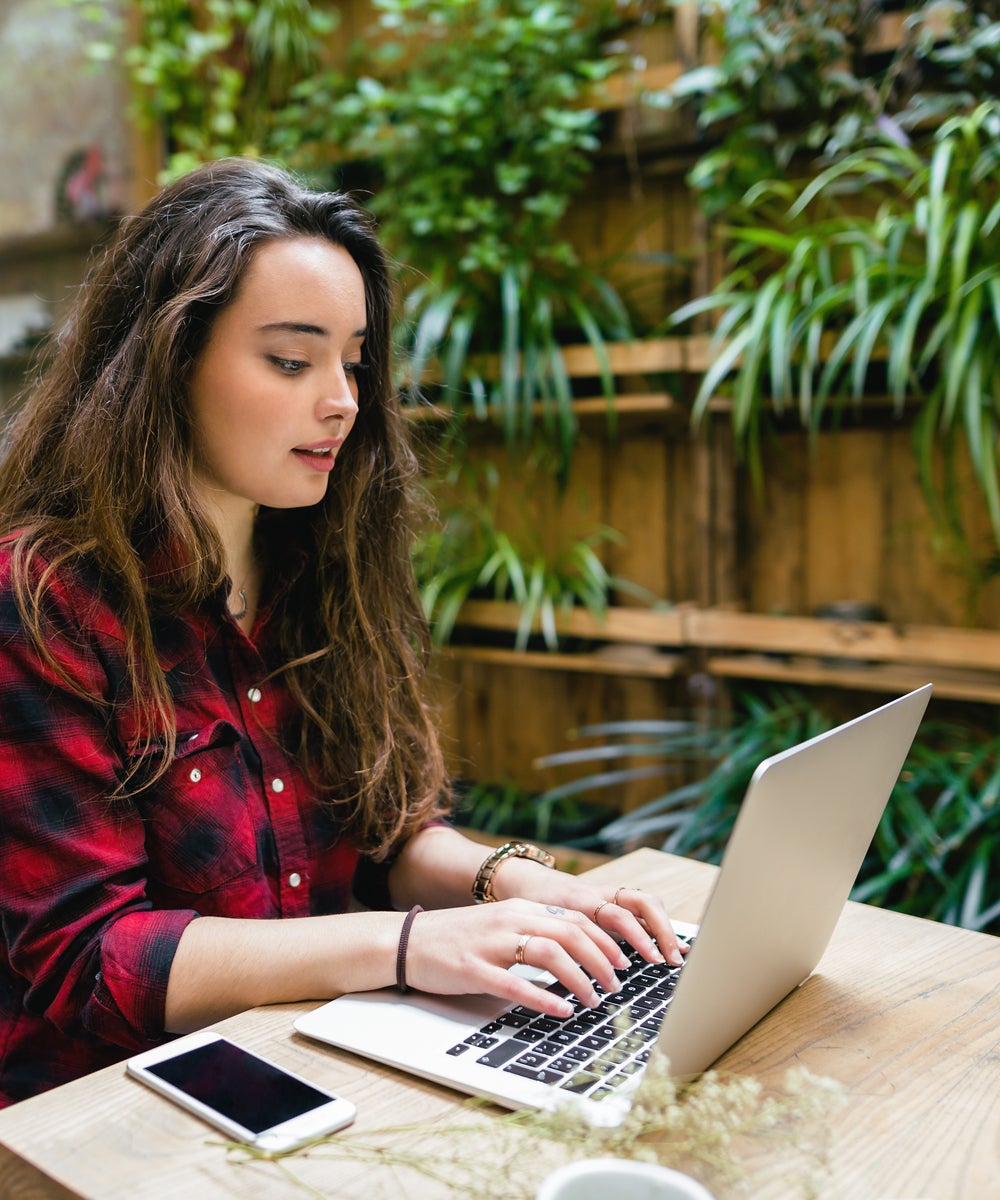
<point x="482" y="888"/>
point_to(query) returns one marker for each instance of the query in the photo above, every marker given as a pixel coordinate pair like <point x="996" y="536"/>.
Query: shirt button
<point x="195" y="775"/>
<point x="277" y="785"/>
<point x="254" y="695"/>
<point x="294" y="879"/>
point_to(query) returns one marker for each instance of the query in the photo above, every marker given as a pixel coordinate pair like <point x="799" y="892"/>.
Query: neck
<point x="234" y="523"/>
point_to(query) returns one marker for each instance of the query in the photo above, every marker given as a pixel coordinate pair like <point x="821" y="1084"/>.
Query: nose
<point x="338" y="398"/>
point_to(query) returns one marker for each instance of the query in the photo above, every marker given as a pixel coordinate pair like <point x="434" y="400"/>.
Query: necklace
<point x="238" y="616"/>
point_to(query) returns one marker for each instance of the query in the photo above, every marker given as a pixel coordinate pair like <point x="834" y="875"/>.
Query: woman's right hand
<point x="453" y="951"/>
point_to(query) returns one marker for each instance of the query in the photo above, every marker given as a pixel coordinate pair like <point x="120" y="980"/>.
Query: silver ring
<point x="519" y="952"/>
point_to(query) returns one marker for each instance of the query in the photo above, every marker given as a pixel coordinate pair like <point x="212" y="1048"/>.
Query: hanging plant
<point x="472" y="120"/>
<point x="820" y="291"/>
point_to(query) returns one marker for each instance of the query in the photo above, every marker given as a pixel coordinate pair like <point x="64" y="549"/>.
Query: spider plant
<point x="693" y="818"/>
<point x="475" y="118"/>
<point x="890" y="255"/>
<point x="933" y="852"/>
<point x="468" y="555"/>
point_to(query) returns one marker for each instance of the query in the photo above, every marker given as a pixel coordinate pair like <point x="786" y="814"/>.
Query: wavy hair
<point x="97" y="472"/>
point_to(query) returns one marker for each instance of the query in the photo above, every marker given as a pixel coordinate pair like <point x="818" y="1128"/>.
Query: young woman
<point x="211" y="655"/>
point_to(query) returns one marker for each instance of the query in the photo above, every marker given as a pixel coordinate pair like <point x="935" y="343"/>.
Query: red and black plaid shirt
<point x="94" y="894"/>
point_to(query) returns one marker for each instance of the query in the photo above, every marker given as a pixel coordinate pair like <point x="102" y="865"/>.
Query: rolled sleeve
<point x="129" y="998"/>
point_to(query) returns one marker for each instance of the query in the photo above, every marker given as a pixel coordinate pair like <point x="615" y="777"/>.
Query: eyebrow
<point x="302" y="327"/>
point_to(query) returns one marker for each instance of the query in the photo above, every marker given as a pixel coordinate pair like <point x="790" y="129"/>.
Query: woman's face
<point x="274" y="393"/>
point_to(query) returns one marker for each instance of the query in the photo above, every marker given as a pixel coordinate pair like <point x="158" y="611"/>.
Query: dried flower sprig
<point x="706" y="1128"/>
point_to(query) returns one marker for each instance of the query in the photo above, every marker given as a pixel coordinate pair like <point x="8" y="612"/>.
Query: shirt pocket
<point x="201" y="814"/>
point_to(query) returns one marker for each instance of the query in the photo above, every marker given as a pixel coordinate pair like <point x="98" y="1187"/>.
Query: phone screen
<point x="246" y="1089"/>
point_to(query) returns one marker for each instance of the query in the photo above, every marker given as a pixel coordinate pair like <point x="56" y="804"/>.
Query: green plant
<point x="935" y="844"/>
<point x="472" y="118"/>
<point x="467" y="554"/>
<point x="504" y="807"/>
<point x="796" y="83"/>
<point x="694" y="818"/>
<point x="214" y="76"/>
<point x="821" y="291"/>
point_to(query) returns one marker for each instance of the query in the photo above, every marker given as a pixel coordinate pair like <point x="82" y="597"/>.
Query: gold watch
<point x="482" y="888"/>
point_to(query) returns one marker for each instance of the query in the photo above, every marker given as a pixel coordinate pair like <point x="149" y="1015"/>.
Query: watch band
<point x="482" y="888"/>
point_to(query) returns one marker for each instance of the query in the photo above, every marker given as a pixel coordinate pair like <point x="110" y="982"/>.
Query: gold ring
<point x="618" y="893"/>
<point x="598" y="909"/>
<point x="519" y="952"/>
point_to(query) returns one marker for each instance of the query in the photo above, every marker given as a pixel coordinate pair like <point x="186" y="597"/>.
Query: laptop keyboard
<point x="590" y="1053"/>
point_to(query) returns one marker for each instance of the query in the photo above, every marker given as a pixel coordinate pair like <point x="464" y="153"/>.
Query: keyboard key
<point x="543" y="1075"/>
<point x="533" y="1059"/>
<point x="461" y="1048"/>
<point x="582" y="1082"/>
<point x="579" y="1054"/>
<point x="503" y="1053"/>
<point x="564" y="1065"/>
<point x="592" y="1042"/>
<point x="480" y="1039"/>
<point x="527" y="1034"/>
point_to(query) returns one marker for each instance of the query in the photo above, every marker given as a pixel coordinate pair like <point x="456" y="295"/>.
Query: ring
<point x="519" y="952"/>
<point x="598" y="909"/>
<point x="618" y="893"/>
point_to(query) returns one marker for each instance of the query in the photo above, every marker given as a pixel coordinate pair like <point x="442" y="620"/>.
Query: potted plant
<point x="933" y="852"/>
<point x="471" y="120"/>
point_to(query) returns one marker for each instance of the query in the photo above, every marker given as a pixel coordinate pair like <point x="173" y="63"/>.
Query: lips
<point x="320" y="457"/>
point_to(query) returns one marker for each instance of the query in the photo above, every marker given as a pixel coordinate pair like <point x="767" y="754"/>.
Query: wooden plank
<point x="973" y="648"/>
<point x="773" y="528"/>
<point x="637" y="504"/>
<point x="653" y="627"/>
<point x="844" y="518"/>
<point x="890" y="679"/>
<point x="645" y="666"/>
<point x="643" y="356"/>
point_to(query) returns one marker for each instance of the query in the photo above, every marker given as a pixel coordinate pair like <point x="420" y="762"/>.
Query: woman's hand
<point x="458" y="950"/>
<point x="634" y="916"/>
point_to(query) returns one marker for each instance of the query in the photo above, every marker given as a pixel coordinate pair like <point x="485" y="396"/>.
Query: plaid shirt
<point x="94" y="895"/>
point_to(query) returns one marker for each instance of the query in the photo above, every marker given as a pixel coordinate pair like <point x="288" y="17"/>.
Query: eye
<point x="355" y="368"/>
<point x="288" y="366"/>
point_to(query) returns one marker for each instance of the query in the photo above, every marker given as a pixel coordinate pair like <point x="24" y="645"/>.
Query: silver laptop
<point x="804" y="827"/>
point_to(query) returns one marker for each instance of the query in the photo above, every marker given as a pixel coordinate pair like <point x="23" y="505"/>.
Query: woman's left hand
<point x="628" y="913"/>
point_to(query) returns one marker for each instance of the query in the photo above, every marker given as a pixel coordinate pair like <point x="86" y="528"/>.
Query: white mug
<point x="619" y="1179"/>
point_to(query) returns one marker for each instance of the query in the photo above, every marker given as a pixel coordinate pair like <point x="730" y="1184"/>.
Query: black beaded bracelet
<point x="404" y="937"/>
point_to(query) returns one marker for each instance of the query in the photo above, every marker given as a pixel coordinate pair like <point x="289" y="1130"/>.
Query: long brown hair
<point x="97" y="472"/>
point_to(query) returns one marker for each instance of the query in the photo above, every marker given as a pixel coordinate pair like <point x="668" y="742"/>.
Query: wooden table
<point x="904" y="1013"/>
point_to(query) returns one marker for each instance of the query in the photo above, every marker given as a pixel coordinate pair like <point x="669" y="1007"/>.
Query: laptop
<point x="804" y="827"/>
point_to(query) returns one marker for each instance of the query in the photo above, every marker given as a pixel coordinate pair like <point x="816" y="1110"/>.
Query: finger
<point x="567" y="950"/>
<point x="607" y="944"/>
<point x="642" y="921"/>
<point x="589" y="945"/>
<point x="508" y="986"/>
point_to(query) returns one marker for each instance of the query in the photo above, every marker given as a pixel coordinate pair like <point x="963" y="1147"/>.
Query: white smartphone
<point x="246" y="1096"/>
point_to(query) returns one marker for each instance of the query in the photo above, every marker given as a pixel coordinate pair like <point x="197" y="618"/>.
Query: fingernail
<point x="615" y="985"/>
<point x="676" y="958"/>
<point x="623" y="961"/>
<point x="565" y="1008"/>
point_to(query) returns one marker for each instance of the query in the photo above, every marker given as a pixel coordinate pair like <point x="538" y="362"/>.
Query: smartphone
<point x="247" y="1097"/>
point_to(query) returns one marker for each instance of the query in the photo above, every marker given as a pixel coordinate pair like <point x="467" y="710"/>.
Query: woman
<point x="211" y="652"/>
